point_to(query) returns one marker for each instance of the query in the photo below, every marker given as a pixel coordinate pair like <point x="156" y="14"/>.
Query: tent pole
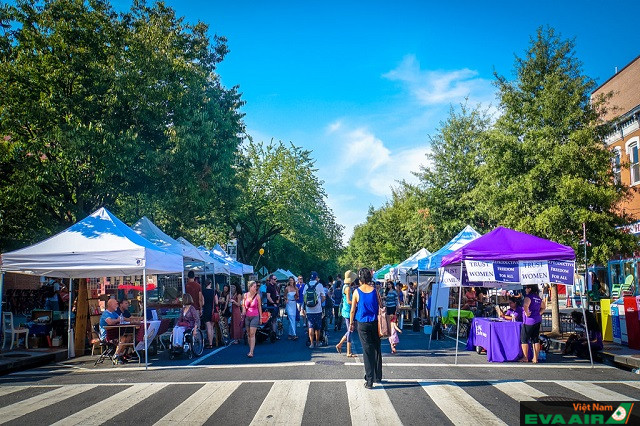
<point x="70" y="351"/>
<point x="183" y="287"/>
<point x="144" y="316"/>
<point x="1" y="297"/>
<point x="459" y="309"/>
<point x="586" y="326"/>
<point x="426" y="300"/>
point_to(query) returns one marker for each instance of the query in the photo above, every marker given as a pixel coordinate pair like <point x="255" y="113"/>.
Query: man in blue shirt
<point x="110" y="317"/>
<point x="300" y="286"/>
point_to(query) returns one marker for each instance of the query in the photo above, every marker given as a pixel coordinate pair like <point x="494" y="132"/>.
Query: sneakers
<point x="368" y="385"/>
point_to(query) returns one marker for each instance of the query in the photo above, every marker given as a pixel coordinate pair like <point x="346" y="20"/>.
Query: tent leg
<point x="1" y="294"/>
<point x="70" y="348"/>
<point x="144" y="316"/>
<point x="183" y="286"/>
<point x="459" y="309"/>
<point x="586" y="327"/>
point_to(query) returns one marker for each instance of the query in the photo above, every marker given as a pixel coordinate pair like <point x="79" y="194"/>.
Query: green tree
<point x="546" y="168"/>
<point x="282" y="205"/>
<point x="452" y="173"/>
<point x="124" y="111"/>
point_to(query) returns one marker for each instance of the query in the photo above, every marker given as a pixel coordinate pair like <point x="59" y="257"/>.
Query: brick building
<point x="623" y="111"/>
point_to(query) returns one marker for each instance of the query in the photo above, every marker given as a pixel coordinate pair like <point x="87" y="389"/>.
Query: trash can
<point x="615" y="324"/>
<point x="632" y="322"/>
<point x="606" y="320"/>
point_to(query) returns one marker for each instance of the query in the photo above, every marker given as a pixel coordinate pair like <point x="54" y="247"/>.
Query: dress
<point x="209" y="295"/>
<point x="291" y="312"/>
<point x="393" y="337"/>
<point x="236" y="322"/>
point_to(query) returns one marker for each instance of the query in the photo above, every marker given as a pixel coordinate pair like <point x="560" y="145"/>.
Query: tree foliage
<point x="117" y="110"/>
<point x="282" y="205"/>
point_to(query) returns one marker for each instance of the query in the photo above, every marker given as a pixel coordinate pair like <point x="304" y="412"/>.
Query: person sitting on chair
<point x="577" y="342"/>
<point x="189" y="320"/>
<point x="514" y="313"/>
<point x="110" y="317"/>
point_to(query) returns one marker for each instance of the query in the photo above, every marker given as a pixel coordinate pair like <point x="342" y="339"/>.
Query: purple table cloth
<point x="501" y="339"/>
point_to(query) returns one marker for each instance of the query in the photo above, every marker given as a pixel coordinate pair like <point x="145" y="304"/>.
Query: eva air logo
<point x="621" y="414"/>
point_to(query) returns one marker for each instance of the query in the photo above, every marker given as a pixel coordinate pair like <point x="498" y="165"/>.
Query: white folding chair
<point x="9" y="329"/>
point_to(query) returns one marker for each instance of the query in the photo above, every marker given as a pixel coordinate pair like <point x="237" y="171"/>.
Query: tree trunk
<point x="555" y="311"/>
<point x="82" y="318"/>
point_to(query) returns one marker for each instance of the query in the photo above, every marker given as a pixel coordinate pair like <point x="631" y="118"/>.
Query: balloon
<point x="261" y="251"/>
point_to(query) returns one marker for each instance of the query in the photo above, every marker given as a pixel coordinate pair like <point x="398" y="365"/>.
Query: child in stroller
<point x="265" y="330"/>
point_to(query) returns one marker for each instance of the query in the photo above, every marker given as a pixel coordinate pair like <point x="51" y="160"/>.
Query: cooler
<point x="605" y="319"/>
<point x="615" y="324"/>
<point x="632" y="321"/>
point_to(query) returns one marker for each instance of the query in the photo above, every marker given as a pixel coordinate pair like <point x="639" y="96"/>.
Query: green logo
<point x="621" y="414"/>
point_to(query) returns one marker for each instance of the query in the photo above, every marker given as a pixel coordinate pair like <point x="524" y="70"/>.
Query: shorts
<point x="530" y="332"/>
<point x="252" y="322"/>
<point x="314" y="321"/>
<point x="391" y="310"/>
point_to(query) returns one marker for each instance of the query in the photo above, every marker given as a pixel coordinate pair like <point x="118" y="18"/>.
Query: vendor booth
<point x="411" y="263"/>
<point x="506" y="257"/>
<point x="98" y="246"/>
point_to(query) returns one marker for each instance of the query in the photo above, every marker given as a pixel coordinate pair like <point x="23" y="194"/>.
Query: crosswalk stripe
<point x="633" y="384"/>
<point x="197" y="409"/>
<point x="370" y="406"/>
<point x="595" y="392"/>
<point x="460" y="407"/>
<point x="6" y="390"/>
<point x="519" y="391"/>
<point x="284" y="404"/>
<point x="37" y="402"/>
<point x="104" y="410"/>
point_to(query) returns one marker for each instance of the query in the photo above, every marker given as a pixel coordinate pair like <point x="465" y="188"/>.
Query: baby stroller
<point x="265" y="330"/>
<point x="324" y="339"/>
<point x="193" y="344"/>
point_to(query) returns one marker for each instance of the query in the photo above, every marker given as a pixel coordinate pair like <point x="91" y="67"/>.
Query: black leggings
<point x="530" y="332"/>
<point x="371" y="352"/>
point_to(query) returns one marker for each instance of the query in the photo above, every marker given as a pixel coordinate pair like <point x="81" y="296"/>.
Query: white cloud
<point x="437" y="87"/>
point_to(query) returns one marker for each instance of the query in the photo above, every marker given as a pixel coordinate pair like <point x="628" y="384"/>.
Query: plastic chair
<point x="7" y="324"/>
<point x="107" y="348"/>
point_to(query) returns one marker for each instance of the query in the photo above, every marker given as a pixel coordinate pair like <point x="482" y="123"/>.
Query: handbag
<point x="383" y="320"/>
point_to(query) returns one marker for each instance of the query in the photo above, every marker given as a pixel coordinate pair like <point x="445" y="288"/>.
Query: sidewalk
<point x="613" y="354"/>
<point x="23" y="359"/>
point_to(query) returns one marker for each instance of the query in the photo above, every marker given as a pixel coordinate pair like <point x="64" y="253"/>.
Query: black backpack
<point x="310" y="296"/>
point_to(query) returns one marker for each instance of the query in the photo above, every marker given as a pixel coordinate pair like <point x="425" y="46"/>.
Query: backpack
<point x="310" y="296"/>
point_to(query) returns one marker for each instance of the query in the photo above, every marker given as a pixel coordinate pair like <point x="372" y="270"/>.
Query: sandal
<point x="339" y="349"/>
<point x="249" y="355"/>
<point x="352" y="356"/>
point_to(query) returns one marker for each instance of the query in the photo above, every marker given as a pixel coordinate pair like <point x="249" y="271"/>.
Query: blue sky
<point x="363" y="84"/>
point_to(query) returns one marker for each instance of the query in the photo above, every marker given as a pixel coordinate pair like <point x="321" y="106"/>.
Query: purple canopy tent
<point x="504" y="256"/>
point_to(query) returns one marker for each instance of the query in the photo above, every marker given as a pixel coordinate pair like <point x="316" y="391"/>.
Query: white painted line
<point x="13" y="411"/>
<point x="370" y="406"/>
<point x="519" y="391"/>
<point x="199" y="360"/>
<point x="509" y="365"/>
<point x="103" y="411"/>
<point x="595" y="392"/>
<point x="6" y="390"/>
<point x="459" y="407"/>
<point x="128" y="368"/>
<point x="284" y="404"/>
<point x="197" y="409"/>
<point x="633" y="384"/>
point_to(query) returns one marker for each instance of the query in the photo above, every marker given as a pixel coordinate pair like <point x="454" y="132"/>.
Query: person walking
<point x="364" y="309"/>
<point x="300" y="286"/>
<point x="210" y="307"/>
<point x="236" y="313"/>
<point x="345" y="311"/>
<point x="337" y="298"/>
<point x="313" y="298"/>
<point x="252" y="311"/>
<point x="394" y="339"/>
<point x="391" y="299"/>
<point x="292" y="308"/>
<point x="533" y="308"/>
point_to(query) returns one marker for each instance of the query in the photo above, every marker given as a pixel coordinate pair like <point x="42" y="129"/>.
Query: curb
<point x="32" y="361"/>
<point x="626" y="362"/>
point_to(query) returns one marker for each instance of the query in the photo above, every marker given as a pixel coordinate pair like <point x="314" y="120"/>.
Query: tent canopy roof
<point x="97" y="246"/>
<point x="507" y="244"/>
<point x="151" y="232"/>
<point x="412" y="262"/>
<point x="432" y="262"/>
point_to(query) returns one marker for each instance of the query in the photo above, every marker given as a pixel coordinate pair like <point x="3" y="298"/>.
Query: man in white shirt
<point x="313" y="308"/>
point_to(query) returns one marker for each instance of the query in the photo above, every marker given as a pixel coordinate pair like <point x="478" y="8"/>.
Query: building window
<point x="634" y="160"/>
<point x="616" y="166"/>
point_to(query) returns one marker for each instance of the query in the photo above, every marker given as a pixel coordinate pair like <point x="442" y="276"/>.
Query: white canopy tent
<point x="236" y="267"/>
<point x="151" y="232"/>
<point x="411" y="263"/>
<point x="99" y="245"/>
<point x="219" y="265"/>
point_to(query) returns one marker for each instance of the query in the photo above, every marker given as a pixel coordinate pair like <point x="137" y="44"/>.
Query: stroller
<point x="265" y="330"/>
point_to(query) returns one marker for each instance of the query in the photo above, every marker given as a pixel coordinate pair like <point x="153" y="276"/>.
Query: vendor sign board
<point x="523" y="272"/>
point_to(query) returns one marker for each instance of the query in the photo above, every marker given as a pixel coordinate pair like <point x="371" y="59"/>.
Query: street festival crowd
<point x="356" y="304"/>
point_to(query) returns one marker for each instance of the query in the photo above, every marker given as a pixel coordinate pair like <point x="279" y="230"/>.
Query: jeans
<point x="371" y="352"/>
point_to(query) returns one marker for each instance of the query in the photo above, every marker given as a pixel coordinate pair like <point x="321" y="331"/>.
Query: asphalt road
<point x="286" y="383"/>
